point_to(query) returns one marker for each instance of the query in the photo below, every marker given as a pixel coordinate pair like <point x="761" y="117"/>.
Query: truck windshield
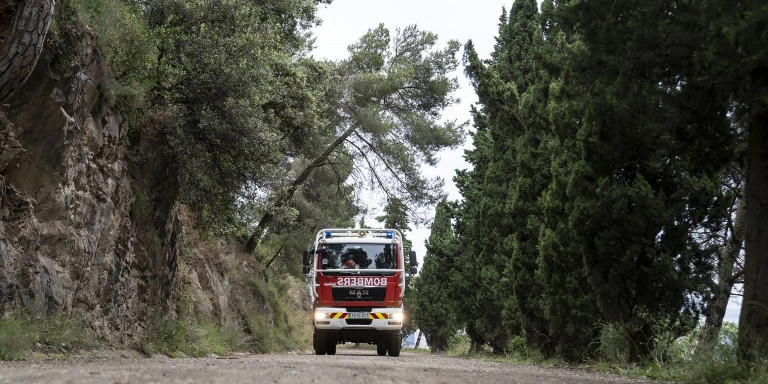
<point x="358" y="256"/>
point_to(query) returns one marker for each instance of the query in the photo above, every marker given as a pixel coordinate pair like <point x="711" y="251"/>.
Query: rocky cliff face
<point x="72" y="238"/>
<point x="66" y="239"/>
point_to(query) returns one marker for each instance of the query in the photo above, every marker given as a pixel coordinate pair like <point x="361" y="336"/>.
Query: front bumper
<point x="383" y="319"/>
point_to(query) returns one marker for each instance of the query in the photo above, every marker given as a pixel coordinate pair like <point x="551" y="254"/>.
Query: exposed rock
<point x="67" y="239"/>
<point x="83" y="229"/>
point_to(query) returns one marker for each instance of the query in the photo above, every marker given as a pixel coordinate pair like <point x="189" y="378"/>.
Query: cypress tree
<point x="434" y="307"/>
<point x="512" y="89"/>
<point x="468" y="226"/>
<point x="643" y="176"/>
<point x="567" y="302"/>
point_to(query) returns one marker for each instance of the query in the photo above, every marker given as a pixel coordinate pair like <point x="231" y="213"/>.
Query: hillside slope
<point x="91" y="226"/>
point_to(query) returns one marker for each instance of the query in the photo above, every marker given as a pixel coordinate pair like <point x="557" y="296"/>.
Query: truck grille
<point x="359" y="294"/>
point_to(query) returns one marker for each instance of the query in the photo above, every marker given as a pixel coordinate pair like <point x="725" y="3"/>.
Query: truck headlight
<point x="321" y="316"/>
<point x="397" y="316"/>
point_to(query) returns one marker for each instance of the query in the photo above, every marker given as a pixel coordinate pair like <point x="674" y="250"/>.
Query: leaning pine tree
<point x="386" y="119"/>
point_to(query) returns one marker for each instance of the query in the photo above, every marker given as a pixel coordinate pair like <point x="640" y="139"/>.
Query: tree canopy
<point x="599" y="189"/>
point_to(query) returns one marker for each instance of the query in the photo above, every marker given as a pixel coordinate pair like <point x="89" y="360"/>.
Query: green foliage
<point x="186" y="337"/>
<point x="141" y="209"/>
<point x="639" y="184"/>
<point x="242" y="96"/>
<point x="685" y="360"/>
<point x="510" y="172"/>
<point x="596" y="170"/>
<point x="433" y="309"/>
<point x="459" y="346"/>
<point x="395" y="215"/>
<point x="54" y="334"/>
<point x="14" y="341"/>
<point x="394" y="90"/>
<point x="267" y="325"/>
<point x="273" y="326"/>
<point x="126" y="41"/>
<point x="324" y="201"/>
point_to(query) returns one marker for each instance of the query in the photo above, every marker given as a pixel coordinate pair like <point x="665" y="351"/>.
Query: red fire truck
<point x="357" y="282"/>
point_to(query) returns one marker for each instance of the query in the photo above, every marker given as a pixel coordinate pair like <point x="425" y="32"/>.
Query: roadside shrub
<point x="14" y="341"/>
<point x="519" y="351"/>
<point x="272" y="321"/>
<point x="178" y="338"/>
<point x="21" y="333"/>
<point x="614" y="344"/>
<point x="459" y="345"/>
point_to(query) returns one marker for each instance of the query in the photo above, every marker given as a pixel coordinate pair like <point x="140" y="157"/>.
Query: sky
<point x="344" y="21"/>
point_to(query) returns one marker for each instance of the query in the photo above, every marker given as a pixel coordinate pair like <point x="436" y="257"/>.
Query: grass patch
<point x="55" y="334"/>
<point x="458" y="346"/>
<point x="272" y="321"/>
<point x="180" y="338"/>
<point x="679" y="360"/>
<point x="269" y="323"/>
<point x="682" y="359"/>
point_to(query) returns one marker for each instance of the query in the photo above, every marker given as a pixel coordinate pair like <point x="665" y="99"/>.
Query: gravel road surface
<point x="348" y="366"/>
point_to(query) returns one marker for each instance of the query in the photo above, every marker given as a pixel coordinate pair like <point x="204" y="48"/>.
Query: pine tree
<point x="385" y="117"/>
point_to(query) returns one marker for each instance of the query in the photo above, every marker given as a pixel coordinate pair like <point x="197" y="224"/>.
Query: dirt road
<point x="347" y="366"/>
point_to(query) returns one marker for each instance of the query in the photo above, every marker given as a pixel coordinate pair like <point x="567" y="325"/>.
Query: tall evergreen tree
<point x="434" y="307"/>
<point x="396" y="216"/>
<point x="565" y="324"/>
<point x="492" y="225"/>
<point x="644" y="176"/>
<point x="739" y="51"/>
<point x="468" y="227"/>
<point x="510" y="89"/>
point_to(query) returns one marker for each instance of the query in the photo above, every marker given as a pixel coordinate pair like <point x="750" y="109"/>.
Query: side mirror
<point x="306" y="269"/>
<point x="307" y="258"/>
<point x="412" y="258"/>
<point x="414" y="270"/>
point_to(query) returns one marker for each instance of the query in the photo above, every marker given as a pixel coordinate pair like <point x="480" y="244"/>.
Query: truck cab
<point x="357" y="282"/>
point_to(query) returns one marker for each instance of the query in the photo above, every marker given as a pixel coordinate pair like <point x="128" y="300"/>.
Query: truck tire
<point x="330" y="345"/>
<point x="381" y="348"/>
<point x="394" y="344"/>
<point x="321" y="343"/>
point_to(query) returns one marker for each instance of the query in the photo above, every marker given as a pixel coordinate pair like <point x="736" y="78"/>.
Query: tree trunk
<point x="474" y="347"/>
<point x="725" y="277"/>
<point x="22" y="45"/>
<point x="266" y="219"/>
<point x="418" y="340"/>
<point x="753" y="321"/>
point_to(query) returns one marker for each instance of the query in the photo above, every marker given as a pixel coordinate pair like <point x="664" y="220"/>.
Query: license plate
<point x="358" y="315"/>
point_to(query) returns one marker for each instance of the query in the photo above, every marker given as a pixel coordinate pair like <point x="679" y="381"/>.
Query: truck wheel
<point x="320" y="343"/>
<point x="394" y="345"/>
<point x="331" y="345"/>
<point x="381" y="348"/>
